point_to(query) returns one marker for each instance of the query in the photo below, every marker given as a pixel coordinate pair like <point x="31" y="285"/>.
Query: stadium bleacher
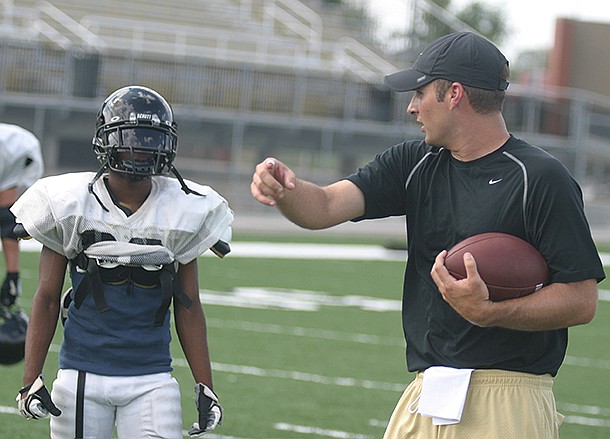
<point x="247" y="79"/>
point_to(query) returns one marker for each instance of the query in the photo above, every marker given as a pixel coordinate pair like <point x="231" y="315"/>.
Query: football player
<point x="21" y="165"/>
<point x="129" y="235"/>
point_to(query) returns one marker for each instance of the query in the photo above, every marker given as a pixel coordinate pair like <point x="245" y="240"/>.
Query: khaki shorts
<point x="499" y="405"/>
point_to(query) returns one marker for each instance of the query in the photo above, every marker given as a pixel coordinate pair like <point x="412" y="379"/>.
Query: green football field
<point x="313" y="348"/>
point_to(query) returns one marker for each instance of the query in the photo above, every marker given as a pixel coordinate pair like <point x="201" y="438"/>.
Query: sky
<point x="531" y="22"/>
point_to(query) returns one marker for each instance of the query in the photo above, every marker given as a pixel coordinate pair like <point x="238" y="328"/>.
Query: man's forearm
<point x="314" y="207"/>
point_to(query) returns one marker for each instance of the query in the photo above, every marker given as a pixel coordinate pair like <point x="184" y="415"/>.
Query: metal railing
<point x="288" y="34"/>
<point x="249" y="78"/>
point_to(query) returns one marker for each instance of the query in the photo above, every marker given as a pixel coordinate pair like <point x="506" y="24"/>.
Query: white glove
<point x="210" y="411"/>
<point x="37" y="402"/>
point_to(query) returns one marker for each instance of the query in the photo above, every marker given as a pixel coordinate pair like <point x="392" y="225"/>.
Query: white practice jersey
<point x="57" y="210"/>
<point x="20" y="157"/>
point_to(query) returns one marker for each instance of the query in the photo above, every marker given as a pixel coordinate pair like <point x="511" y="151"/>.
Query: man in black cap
<point x="484" y="369"/>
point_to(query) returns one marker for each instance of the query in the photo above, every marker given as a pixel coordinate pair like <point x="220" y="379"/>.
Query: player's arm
<point x="44" y="312"/>
<point x="302" y="202"/>
<point x="192" y="333"/>
<point x="191" y="325"/>
<point x="558" y="305"/>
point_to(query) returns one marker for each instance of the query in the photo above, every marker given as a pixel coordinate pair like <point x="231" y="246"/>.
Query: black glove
<point x="34" y="401"/>
<point x="11" y="289"/>
<point x="210" y="411"/>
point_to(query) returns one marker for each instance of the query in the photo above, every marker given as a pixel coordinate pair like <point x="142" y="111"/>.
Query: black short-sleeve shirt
<point x="518" y="189"/>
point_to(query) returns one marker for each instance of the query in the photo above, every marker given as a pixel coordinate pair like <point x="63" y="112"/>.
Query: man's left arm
<point x="558" y="305"/>
<point x="192" y="333"/>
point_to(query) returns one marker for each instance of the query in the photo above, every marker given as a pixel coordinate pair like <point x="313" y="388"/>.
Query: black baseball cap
<point x="463" y="57"/>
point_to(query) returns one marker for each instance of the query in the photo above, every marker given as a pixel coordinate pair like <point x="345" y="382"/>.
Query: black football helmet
<point x="136" y="133"/>
<point x="13" y="326"/>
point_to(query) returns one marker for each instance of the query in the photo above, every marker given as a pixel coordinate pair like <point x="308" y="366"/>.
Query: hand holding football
<point x="509" y="266"/>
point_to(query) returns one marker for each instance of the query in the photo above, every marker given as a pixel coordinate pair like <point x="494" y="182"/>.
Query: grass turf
<point x="335" y="370"/>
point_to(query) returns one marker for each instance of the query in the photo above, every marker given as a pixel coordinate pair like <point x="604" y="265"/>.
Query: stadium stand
<point x="247" y="78"/>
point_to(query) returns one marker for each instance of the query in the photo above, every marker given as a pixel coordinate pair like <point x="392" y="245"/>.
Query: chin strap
<point x="187" y="190"/>
<point x="96" y="177"/>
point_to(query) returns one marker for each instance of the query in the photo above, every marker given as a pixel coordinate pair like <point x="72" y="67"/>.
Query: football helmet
<point x="136" y="133"/>
<point x="13" y="326"/>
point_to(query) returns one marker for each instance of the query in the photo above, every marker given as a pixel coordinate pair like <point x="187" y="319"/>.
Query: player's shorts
<point x="139" y="407"/>
<point x="499" y="405"/>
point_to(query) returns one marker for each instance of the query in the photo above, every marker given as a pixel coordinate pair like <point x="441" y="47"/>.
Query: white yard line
<point x="319" y="432"/>
<point x="286" y="250"/>
<point x="297" y="331"/>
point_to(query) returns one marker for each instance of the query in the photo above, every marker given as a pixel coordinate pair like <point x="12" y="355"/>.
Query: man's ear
<point x="456" y="94"/>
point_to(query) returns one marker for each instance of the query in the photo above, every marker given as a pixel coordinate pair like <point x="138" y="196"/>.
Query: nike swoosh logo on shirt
<point x="492" y="181"/>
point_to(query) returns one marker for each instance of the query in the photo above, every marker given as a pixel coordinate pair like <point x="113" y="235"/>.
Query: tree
<point x="488" y="20"/>
<point x="435" y="18"/>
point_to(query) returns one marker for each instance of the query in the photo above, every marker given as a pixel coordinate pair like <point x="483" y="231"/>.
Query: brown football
<point x="509" y="266"/>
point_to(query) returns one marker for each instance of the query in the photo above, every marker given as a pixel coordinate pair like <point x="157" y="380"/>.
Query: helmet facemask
<point x="140" y="147"/>
<point x="136" y="133"/>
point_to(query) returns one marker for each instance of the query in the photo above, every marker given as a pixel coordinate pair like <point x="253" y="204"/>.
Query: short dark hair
<point x="482" y="101"/>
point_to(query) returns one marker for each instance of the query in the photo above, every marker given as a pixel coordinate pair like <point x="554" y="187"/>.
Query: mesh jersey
<point x="59" y="210"/>
<point x="518" y="189"/>
<point x="20" y="157"/>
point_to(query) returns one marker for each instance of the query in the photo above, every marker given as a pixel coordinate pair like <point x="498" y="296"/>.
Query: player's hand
<point x="34" y="401"/>
<point x="469" y="296"/>
<point x="270" y="181"/>
<point x="210" y="411"/>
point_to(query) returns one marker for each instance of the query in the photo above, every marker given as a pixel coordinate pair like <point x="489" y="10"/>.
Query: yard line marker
<point x="299" y="376"/>
<point x="213" y="436"/>
<point x="584" y="409"/>
<point x="324" y="334"/>
<point x="591" y="422"/>
<point x="319" y="432"/>
<point x="378" y="423"/>
<point x="587" y="362"/>
<point x="11" y="410"/>
<point x="294" y="299"/>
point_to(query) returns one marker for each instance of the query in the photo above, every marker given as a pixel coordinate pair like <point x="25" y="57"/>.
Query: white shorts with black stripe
<point x="136" y="407"/>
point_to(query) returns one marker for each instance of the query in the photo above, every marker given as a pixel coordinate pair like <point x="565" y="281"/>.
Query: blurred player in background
<point x="484" y="369"/>
<point x="21" y="165"/>
<point x="130" y="236"/>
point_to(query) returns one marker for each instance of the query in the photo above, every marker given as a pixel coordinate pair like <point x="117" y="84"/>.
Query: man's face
<point x="431" y="114"/>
